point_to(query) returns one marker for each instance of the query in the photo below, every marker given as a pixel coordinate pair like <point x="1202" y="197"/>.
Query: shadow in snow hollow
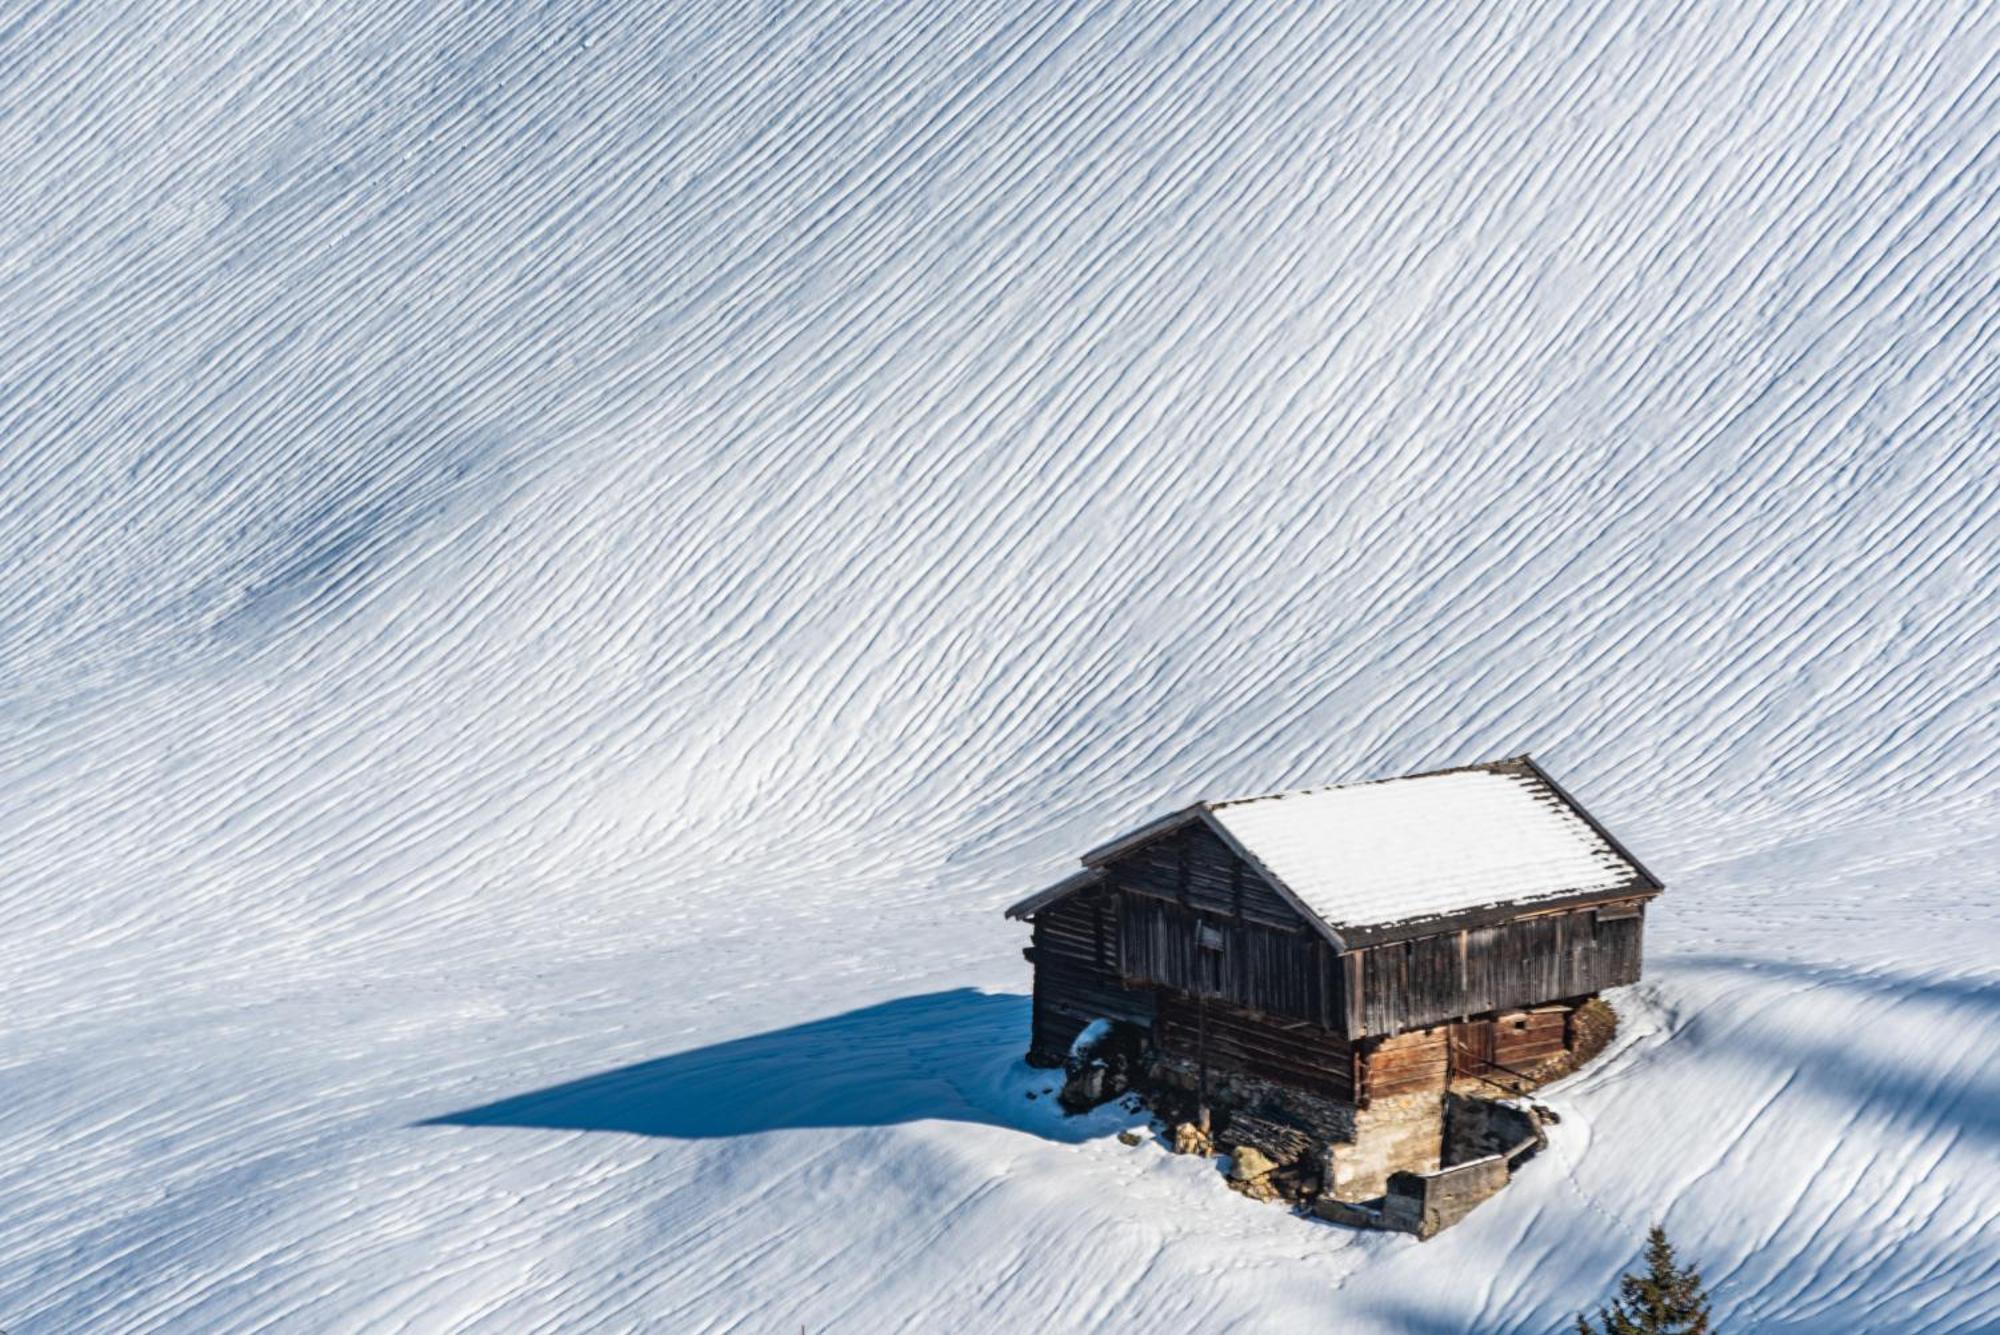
<point x="951" y="1056"/>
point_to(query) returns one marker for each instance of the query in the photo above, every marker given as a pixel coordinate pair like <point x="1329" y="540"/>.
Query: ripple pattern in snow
<point x="539" y="540"/>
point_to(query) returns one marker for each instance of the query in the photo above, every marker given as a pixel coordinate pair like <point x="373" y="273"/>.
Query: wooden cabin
<point x="1353" y="945"/>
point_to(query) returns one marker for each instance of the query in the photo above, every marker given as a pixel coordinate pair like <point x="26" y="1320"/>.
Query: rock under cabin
<point x="1343" y="986"/>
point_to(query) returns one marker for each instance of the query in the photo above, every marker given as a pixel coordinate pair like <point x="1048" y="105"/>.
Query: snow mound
<point x="558" y="564"/>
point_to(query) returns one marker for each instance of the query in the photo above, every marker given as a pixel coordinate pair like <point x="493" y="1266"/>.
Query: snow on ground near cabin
<point x="559" y="564"/>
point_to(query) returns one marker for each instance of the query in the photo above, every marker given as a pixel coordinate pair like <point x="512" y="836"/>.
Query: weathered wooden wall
<point x="1526" y="962"/>
<point x="1318" y="1061"/>
<point x="1513" y="1042"/>
<point x="1262" y="956"/>
<point x="1521" y="1040"/>
<point x="1195" y="869"/>
<point x="1405" y="1064"/>
<point x="1075" y="954"/>
<point x="1288" y="975"/>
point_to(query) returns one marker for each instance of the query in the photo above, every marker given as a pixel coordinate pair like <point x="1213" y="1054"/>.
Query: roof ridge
<point x="1484" y="766"/>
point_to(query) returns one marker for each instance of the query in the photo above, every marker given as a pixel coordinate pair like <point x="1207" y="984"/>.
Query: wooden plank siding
<point x="1521" y="1040"/>
<point x="1075" y="954"/>
<point x="1189" y="885"/>
<point x="1531" y="960"/>
<point x="1193" y="868"/>
<point x="1287" y="974"/>
<point x="1319" y="1061"/>
<point x="1406" y="1064"/>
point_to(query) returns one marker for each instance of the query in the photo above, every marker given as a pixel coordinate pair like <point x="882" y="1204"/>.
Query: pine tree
<point x="1667" y="1299"/>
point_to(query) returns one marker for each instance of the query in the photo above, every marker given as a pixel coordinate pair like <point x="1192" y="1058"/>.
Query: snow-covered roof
<point x="1427" y="846"/>
<point x="1372" y="855"/>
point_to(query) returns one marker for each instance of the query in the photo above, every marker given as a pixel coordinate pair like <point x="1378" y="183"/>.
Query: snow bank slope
<point x="588" y="548"/>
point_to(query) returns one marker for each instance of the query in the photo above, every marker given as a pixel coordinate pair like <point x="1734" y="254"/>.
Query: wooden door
<point x="1472" y="1048"/>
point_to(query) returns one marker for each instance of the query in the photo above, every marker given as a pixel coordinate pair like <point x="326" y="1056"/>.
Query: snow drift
<point x="558" y="564"/>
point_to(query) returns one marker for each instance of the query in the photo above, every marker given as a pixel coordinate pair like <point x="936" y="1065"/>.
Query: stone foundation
<point x="1258" y="1103"/>
<point x="1413" y="1162"/>
<point x="1328" y="1146"/>
<point x="1428" y="1203"/>
<point x="1400" y="1134"/>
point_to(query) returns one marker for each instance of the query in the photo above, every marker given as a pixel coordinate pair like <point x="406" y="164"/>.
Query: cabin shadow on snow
<point x="951" y="1056"/>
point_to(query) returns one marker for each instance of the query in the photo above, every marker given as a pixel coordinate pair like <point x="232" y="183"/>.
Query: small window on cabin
<point x="1207" y="937"/>
<point x="1617" y="912"/>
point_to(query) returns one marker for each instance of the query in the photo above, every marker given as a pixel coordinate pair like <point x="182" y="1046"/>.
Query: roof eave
<point x="1610" y="839"/>
<point x="1487" y="915"/>
<point x="1145" y="834"/>
<point x="1049" y="895"/>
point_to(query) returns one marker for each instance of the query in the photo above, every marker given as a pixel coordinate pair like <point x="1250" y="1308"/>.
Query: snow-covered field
<point x="559" y="563"/>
